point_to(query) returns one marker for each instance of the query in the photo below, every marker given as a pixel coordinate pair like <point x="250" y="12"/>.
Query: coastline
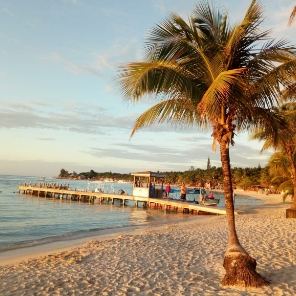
<point x="182" y="258"/>
<point x="16" y="255"/>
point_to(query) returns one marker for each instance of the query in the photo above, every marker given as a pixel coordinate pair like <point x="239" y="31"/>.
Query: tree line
<point x="245" y="178"/>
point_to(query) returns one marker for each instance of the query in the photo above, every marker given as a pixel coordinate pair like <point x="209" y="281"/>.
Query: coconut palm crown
<point x="207" y="73"/>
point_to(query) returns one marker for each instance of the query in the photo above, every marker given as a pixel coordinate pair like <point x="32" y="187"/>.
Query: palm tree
<point x="210" y="74"/>
<point x="280" y="170"/>
<point x="284" y="142"/>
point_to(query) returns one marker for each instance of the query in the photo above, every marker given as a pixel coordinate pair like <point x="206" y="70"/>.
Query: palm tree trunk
<point x="239" y="266"/>
<point x="293" y="206"/>
<point x="293" y="176"/>
<point x="228" y="195"/>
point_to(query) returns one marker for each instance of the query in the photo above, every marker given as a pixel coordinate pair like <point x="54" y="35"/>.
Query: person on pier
<point x="152" y="190"/>
<point x="168" y="190"/>
<point x="203" y="194"/>
<point x="183" y="192"/>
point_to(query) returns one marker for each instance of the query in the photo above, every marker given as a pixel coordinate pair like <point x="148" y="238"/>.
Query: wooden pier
<point x="64" y="193"/>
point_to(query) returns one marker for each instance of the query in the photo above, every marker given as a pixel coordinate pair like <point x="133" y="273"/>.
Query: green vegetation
<point x="283" y="161"/>
<point x="92" y="175"/>
<point x="244" y="178"/>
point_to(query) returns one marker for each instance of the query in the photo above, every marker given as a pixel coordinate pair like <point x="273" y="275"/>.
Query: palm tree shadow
<point x="281" y="278"/>
<point x="253" y="209"/>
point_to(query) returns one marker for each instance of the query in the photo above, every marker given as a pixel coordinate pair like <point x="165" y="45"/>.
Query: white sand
<point x="178" y="259"/>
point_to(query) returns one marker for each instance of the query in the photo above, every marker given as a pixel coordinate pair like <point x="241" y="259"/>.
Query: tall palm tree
<point x="210" y="74"/>
<point x="284" y="141"/>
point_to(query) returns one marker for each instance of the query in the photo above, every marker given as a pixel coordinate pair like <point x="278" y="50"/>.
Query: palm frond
<point x="292" y="16"/>
<point x="220" y="91"/>
<point x="174" y="111"/>
<point x="137" y="79"/>
<point x="211" y="23"/>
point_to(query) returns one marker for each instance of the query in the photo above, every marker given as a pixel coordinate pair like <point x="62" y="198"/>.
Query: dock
<point x="64" y="193"/>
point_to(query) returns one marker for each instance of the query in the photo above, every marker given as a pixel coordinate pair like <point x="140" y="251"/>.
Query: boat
<point x="188" y="191"/>
<point x="211" y="201"/>
<point x="109" y="181"/>
<point x="193" y="191"/>
<point x="42" y="178"/>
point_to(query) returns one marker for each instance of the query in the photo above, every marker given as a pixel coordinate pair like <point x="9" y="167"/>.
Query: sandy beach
<point x="176" y="259"/>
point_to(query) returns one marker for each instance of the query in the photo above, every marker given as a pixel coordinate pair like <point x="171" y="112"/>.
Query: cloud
<point x="99" y="62"/>
<point x="90" y="120"/>
<point x="161" y="144"/>
<point x="7" y="11"/>
<point x="191" y="153"/>
<point x="72" y="1"/>
<point x="196" y="139"/>
<point x="73" y="67"/>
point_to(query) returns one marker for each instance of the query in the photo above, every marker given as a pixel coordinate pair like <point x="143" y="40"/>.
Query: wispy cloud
<point x="7" y="11"/>
<point x="90" y="120"/>
<point x="46" y="139"/>
<point x="194" y="154"/>
<point x="72" y="66"/>
<point x="99" y="62"/>
<point x="71" y="1"/>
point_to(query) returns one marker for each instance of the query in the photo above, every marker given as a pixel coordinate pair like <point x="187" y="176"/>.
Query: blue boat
<point x="188" y="191"/>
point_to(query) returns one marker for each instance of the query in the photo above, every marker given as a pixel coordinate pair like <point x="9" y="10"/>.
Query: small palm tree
<point x="284" y="142"/>
<point x="207" y="73"/>
<point x="280" y="170"/>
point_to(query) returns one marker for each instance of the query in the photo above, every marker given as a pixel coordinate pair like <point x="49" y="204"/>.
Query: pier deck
<point x="99" y="197"/>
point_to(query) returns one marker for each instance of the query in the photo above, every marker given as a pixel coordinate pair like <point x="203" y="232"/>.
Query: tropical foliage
<point x="280" y="172"/>
<point x="283" y="162"/>
<point x="209" y="73"/>
<point x="256" y="177"/>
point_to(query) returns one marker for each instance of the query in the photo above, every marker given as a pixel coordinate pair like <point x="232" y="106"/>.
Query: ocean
<point x="31" y="221"/>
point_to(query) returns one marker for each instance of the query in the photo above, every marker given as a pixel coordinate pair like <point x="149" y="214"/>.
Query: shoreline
<point x="18" y="254"/>
<point x="183" y="258"/>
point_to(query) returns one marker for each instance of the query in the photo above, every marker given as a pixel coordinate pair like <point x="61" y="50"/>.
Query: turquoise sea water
<point x="27" y="220"/>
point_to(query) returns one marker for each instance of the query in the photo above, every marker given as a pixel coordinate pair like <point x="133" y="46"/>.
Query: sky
<point x="60" y="105"/>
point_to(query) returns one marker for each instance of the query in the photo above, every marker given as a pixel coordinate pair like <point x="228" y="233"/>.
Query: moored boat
<point x="211" y="202"/>
<point x="124" y="181"/>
